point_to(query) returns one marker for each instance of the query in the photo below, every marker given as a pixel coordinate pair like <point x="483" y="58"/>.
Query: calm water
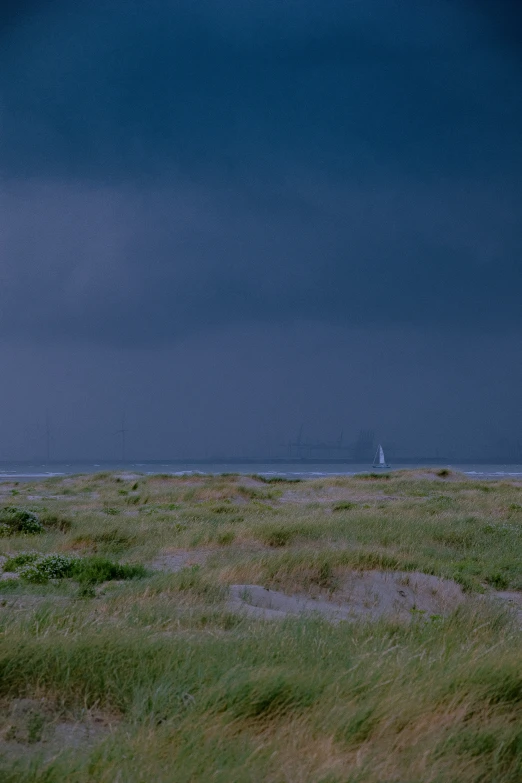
<point x="24" y="471"/>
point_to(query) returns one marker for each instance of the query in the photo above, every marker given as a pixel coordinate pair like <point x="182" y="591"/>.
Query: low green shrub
<point x="14" y="521"/>
<point x="497" y="580"/>
<point x="22" y="559"/>
<point x="95" y="570"/>
<point x="38" y="569"/>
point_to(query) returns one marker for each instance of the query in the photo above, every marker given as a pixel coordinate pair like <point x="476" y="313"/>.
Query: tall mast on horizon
<point x="48" y="436"/>
<point x="122" y="431"/>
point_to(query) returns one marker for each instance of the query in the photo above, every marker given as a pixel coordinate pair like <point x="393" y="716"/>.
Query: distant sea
<point x="25" y="471"/>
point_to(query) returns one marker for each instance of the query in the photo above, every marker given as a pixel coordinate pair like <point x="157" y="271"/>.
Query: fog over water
<point x="230" y="223"/>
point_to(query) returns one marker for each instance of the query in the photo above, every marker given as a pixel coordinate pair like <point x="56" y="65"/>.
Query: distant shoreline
<point x="38" y="470"/>
<point x="403" y="461"/>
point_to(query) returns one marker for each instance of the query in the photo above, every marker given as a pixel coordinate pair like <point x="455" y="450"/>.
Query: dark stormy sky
<point x="228" y="218"/>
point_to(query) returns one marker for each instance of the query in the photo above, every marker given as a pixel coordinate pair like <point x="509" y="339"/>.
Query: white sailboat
<point x="379" y="460"/>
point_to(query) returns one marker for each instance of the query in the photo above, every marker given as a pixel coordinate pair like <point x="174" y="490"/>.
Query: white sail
<point x="380" y="461"/>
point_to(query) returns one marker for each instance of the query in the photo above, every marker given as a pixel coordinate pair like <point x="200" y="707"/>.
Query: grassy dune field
<point x="349" y="630"/>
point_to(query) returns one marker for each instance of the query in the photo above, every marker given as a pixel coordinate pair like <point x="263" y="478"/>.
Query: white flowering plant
<point x="38" y="569"/>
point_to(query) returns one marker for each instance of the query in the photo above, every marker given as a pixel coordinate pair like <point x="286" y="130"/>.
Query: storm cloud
<point x="175" y="171"/>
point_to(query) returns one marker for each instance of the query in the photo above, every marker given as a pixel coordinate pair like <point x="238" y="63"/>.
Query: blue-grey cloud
<point x="174" y="167"/>
<point x="119" y="89"/>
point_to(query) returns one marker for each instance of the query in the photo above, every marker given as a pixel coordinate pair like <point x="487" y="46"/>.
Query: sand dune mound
<point x="371" y="594"/>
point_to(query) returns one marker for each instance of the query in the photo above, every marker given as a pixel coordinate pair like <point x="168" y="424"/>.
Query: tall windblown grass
<point x="197" y="693"/>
